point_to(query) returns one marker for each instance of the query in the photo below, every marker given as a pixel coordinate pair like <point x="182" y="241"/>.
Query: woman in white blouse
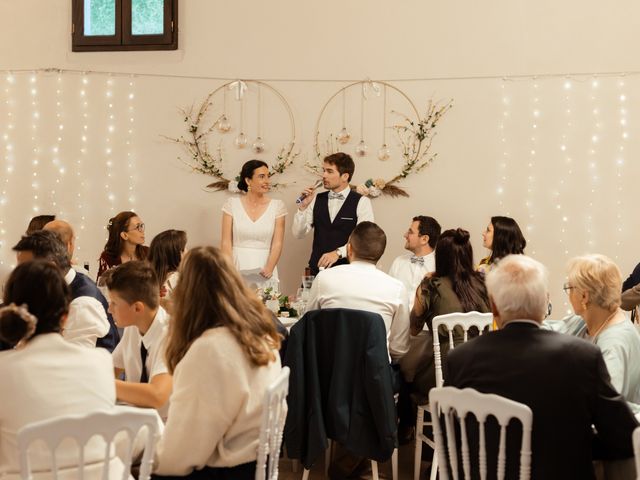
<point x="222" y="352"/>
<point x="45" y="376"/>
<point x="253" y="225"/>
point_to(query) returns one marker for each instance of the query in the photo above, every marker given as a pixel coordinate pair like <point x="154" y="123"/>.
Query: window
<point x="105" y="25"/>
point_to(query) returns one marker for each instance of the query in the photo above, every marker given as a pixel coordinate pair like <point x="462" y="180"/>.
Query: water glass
<point x="307" y="281"/>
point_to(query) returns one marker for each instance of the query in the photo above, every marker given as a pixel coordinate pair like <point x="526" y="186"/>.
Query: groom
<point x="333" y="214"/>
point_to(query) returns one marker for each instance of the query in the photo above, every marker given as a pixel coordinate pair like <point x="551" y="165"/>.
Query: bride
<point x="253" y="226"/>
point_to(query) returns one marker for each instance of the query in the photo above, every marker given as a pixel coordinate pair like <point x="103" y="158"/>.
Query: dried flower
<point x="233" y="186"/>
<point x="374" y="192"/>
<point x="380" y="183"/>
<point x="362" y="190"/>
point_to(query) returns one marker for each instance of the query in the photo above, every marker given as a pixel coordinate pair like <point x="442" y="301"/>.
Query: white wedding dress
<point x="252" y="240"/>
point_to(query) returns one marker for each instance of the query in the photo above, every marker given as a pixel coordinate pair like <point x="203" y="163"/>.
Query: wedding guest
<point x="88" y="323"/>
<point x="420" y="241"/>
<point x="253" y="225"/>
<point x="454" y="287"/>
<point x="503" y="237"/>
<point x="165" y="253"/>
<point x="577" y="414"/>
<point x="125" y="242"/>
<point x="38" y="222"/>
<point x="223" y="353"/>
<point x="633" y="279"/>
<point x="593" y="286"/>
<point x="361" y="286"/>
<point x="134" y="295"/>
<point x="45" y="376"/>
<point x="68" y="237"/>
<point x="332" y="215"/>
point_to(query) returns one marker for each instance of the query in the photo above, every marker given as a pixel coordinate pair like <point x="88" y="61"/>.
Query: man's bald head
<point x="65" y="231"/>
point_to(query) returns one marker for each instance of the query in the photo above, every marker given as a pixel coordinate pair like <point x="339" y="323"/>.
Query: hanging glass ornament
<point x="224" y="125"/>
<point x="241" y="140"/>
<point x="258" y="146"/>
<point x="384" y="153"/>
<point x="343" y="136"/>
<point x="361" y="149"/>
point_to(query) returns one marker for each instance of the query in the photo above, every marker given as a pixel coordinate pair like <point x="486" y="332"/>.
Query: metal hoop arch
<point x="273" y="90"/>
<point x="361" y="82"/>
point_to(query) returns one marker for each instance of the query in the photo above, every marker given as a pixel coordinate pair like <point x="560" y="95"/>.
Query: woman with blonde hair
<point x="222" y="350"/>
<point x="593" y="285"/>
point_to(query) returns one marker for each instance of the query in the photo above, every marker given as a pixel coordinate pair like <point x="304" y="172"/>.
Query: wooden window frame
<point x="123" y="40"/>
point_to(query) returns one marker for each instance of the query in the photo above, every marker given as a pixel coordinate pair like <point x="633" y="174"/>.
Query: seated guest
<point x="630" y="299"/>
<point x="420" y="241"/>
<point x="453" y="287"/>
<point x="359" y="285"/>
<point x="165" y="253"/>
<point x="134" y="296"/>
<point x="593" y="285"/>
<point x="563" y="379"/>
<point x="503" y="237"/>
<point x="46" y="376"/>
<point x="38" y="222"/>
<point x="88" y="323"/>
<point x="125" y="242"/>
<point x="68" y="237"/>
<point x="633" y="279"/>
<point x="223" y="353"/>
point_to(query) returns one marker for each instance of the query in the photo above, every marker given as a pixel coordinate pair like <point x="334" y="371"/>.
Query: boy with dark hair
<point x="135" y="305"/>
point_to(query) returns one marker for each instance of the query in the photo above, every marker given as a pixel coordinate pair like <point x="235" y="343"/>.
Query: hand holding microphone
<point x="307" y="195"/>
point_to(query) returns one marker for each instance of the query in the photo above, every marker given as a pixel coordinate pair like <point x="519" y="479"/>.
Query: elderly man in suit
<point x="577" y="414"/>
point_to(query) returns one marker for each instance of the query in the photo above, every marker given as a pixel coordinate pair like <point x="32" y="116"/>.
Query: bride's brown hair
<point x="211" y="293"/>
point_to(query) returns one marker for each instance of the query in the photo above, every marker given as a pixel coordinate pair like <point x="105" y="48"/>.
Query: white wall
<point x="332" y="40"/>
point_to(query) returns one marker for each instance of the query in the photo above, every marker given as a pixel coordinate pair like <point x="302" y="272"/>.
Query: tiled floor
<point x="405" y="467"/>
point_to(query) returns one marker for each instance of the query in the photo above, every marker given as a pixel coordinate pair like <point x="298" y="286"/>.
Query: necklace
<point x="601" y="327"/>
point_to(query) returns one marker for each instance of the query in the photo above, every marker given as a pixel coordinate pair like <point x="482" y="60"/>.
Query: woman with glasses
<point x="593" y="285"/>
<point x="125" y="242"/>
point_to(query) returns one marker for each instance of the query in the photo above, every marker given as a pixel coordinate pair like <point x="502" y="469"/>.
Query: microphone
<point x="300" y="199"/>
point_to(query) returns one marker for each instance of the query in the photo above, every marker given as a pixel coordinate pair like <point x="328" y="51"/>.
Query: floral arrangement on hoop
<point x="415" y="140"/>
<point x="202" y="160"/>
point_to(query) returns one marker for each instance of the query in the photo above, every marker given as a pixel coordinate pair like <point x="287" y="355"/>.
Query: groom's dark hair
<point x="368" y="242"/>
<point x="343" y="162"/>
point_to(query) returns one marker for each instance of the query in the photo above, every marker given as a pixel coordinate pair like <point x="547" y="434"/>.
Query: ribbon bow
<point x="240" y="88"/>
<point x="369" y="84"/>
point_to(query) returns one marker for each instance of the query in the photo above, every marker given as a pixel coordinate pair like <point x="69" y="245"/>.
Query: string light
<point x="502" y="170"/>
<point x="35" y="150"/>
<point x="129" y="141"/>
<point x="565" y="149"/>
<point x="57" y="165"/>
<point x="108" y="150"/>
<point x="592" y="164"/>
<point x="9" y="159"/>
<point x="536" y="114"/>
<point x="619" y="165"/>
<point x="82" y="192"/>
